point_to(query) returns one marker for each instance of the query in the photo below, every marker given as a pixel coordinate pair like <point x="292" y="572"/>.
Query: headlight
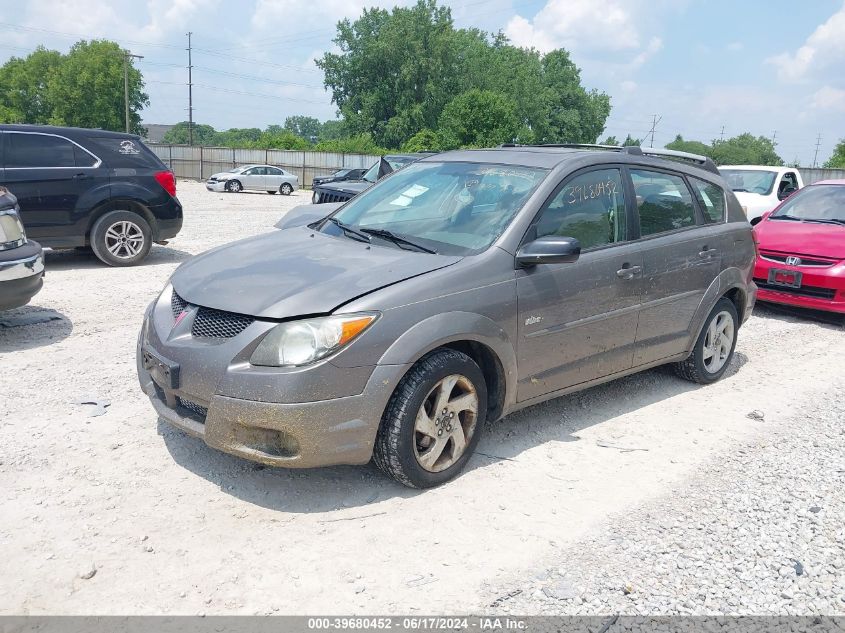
<point x="302" y="342"/>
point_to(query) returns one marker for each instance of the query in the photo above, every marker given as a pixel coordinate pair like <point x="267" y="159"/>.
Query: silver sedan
<point x="256" y="178"/>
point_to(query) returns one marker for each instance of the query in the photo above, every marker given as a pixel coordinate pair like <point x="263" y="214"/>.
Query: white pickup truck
<point x="760" y="188"/>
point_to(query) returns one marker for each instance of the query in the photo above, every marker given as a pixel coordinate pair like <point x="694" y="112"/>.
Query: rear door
<point x="577" y="321"/>
<point x="681" y="258"/>
<point x="274" y="178"/>
<point x="48" y="173"/>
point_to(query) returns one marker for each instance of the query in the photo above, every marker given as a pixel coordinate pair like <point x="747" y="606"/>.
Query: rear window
<point x="123" y="152"/>
<point x="44" y="151"/>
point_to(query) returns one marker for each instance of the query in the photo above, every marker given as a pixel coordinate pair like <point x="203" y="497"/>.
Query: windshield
<point x="237" y="170"/>
<point x="817" y="202"/>
<point x="452" y="208"/>
<point x="340" y="173"/>
<point x="751" y="180"/>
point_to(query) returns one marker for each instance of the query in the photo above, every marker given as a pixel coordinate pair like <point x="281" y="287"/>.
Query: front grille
<point x="196" y="411"/>
<point x="177" y="304"/>
<point x="804" y="291"/>
<point x="332" y="197"/>
<point x="211" y="323"/>
<point x="805" y="261"/>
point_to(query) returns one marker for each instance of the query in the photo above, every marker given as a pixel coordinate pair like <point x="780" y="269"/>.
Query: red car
<point x="801" y="260"/>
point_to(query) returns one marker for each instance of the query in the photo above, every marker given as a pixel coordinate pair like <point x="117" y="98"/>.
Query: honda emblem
<point x="793" y="261"/>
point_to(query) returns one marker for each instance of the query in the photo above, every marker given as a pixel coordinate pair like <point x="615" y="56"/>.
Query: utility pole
<point x="722" y="134"/>
<point x="654" y="121"/>
<point x="190" y="96"/>
<point x="816" y="157"/>
<point x="126" y="56"/>
<point x="774" y="136"/>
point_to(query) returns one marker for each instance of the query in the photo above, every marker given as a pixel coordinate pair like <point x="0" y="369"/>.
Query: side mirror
<point x="549" y="249"/>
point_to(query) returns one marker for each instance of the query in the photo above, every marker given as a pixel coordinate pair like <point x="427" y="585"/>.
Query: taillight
<point x="167" y="181"/>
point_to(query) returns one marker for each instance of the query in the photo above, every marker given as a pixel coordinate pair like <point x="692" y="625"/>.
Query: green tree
<point x="837" y="160"/>
<point x="86" y="88"/>
<point x="397" y="71"/>
<point x="693" y="147"/>
<point x="304" y="126"/>
<point x="358" y="144"/>
<point x="745" y="149"/>
<point x="610" y="140"/>
<point x="178" y="134"/>
<point x="478" y="118"/>
<point x="285" y="139"/>
<point x="331" y="130"/>
<point x="424" y="141"/>
<point x="23" y="98"/>
<point x="629" y="141"/>
<point x="237" y="137"/>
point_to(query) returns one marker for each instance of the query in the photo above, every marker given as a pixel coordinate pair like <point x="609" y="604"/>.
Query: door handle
<point x="80" y="176"/>
<point x="707" y="253"/>
<point x="628" y="272"/>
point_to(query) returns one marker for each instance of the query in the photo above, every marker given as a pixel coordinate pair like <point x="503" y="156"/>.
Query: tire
<point x="408" y="454"/>
<point x="121" y="238"/>
<point x="286" y="189"/>
<point x="234" y="186"/>
<point x="705" y="370"/>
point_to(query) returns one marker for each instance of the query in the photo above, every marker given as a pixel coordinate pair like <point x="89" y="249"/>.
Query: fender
<point x="306" y="214"/>
<point x="729" y="279"/>
<point x="441" y="329"/>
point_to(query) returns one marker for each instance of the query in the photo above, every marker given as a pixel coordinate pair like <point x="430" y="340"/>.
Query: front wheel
<point x="233" y="186"/>
<point x="715" y="346"/>
<point x="432" y="423"/>
<point x="286" y="189"/>
<point x="121" y="238"/>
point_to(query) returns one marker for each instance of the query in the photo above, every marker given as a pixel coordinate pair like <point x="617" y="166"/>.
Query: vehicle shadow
<point x="790" y="314"/>
<point x="72" y="259"/>
<point x="32" y="326"/>
<point x="340" y="488"/>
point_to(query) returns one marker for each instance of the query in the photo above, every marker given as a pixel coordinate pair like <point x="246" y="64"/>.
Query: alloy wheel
<point x="124" y="239"/>
<point x="445" y="423"/>
<point x="718" y="342"/>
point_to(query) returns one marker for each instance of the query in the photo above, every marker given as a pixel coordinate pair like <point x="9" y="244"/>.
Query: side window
<point x="664" y="202"/>
<point x="251" y="172"/>
<point x="83" y="158"/>
<point x="39" y="150"/>
<point x="711" y="198"/>
<point x="788" y="185"/>
<point x="590" y="208"/>
<point x="272" y="171"/>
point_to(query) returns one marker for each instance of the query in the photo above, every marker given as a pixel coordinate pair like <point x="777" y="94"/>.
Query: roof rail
<point x="702" y="161"/>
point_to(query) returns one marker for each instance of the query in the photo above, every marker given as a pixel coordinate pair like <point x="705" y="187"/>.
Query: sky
<point x="703" y="68"/>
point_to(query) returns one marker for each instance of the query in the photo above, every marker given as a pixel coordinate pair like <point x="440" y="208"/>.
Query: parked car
<point x="346" y="190"/>
<point x="90" y="188"/>
<point x="802" y="249"/>
<point x="21" y="261"/>
<point x="339" y="176"/>
<point x="761" y="188"/>
<point x="256" y="178"/>
<point x="457" y="290"/>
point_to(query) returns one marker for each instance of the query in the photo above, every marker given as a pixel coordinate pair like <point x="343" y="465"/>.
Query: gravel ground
<point x="759" y="531"/>
<point x="121" y="514"/>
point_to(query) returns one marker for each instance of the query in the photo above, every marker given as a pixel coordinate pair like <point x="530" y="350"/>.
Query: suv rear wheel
<point x="121" y="238"/>
<point x="715" y="346"/>
<point x="433" y="421"/>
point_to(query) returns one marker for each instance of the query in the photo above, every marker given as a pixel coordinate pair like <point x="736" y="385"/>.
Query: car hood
<point x="349" y="186"/>
<point x="223" y="175"/>
<point x="295" y="272"/>
<point x="802" y="238"/>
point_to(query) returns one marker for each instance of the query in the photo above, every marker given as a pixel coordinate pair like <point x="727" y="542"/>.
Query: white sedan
<point x="256" y="178"/>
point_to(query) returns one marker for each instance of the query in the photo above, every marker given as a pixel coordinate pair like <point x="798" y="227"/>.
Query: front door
<point x="578" y="321"/>
<point x="253" y="178"/>
<point x="48" y="174"/>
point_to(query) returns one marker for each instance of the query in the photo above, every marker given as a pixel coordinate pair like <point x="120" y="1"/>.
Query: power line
<point x="816" y="156"/>
<point x="654" y="121"/>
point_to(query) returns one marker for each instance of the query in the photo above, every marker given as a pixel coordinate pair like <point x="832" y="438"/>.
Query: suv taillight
<point x="167" y="181"/>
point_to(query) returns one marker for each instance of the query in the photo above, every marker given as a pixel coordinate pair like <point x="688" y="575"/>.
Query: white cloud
<point x="628" y="85"/>
<point x="823" y="50"/>
<point x="828" y="98"/>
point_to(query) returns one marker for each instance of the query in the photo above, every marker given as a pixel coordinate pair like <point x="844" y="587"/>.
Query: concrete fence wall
<point x="198" y="163"/>
<point x="812" y="174"/>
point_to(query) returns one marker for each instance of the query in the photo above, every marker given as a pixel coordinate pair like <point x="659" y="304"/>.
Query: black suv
<point x="90" y="188"/>
<point x="348" y="189"/>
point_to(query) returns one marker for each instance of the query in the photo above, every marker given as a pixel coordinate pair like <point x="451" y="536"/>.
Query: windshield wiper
<point x="398" y="240"/>
<point x="785" y="217"/>
<point x="825" y="220"/>
<point x="350" y="231"/>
